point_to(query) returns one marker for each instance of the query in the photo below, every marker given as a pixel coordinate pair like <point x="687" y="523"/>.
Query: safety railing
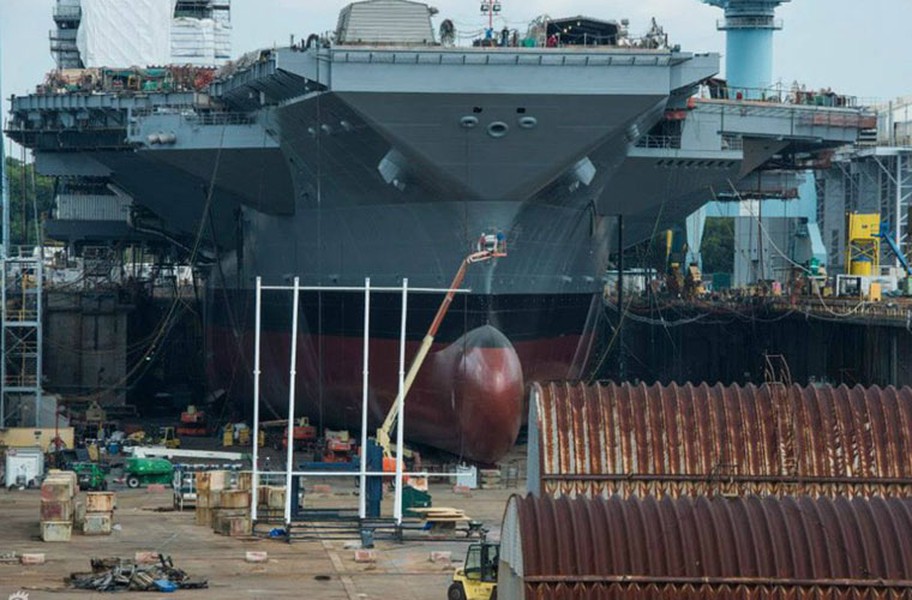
<point x="749" y="23"/>
<point x="800" y="115"/>
<point x="660" y="142"/>
<point x="219" y="118"/>
<point x="781" y="95"/>
<point x="67" y="13"/>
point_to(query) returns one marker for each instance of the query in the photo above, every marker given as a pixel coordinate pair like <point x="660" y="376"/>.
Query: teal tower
<point x="749" y="27"/>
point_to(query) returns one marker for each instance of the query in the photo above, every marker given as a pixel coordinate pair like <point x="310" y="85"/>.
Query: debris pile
<point x="122" y="575"/>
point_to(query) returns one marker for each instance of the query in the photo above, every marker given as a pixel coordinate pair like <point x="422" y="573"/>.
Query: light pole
<point x="3" y="176"/>
<point x="489" y="7"/>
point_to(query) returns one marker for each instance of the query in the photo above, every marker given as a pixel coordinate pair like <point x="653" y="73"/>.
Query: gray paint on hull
<point x="427" y="128"/>
<point x="552" y="249"/>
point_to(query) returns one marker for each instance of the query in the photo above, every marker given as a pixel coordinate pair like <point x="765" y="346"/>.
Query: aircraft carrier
<point x="386" y="150"/>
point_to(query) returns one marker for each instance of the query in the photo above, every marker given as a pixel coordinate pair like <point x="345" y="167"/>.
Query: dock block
<point x="146" y="558"/>
<point x="441" y="557"/>
<point x="256" y="557"/>
<point x="32" y="559"/>
<point x="365" y="556"/>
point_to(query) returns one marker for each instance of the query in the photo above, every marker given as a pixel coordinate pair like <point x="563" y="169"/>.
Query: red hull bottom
<point x="468" y="398"/>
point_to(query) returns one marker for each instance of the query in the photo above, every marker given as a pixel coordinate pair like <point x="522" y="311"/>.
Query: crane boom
<point x="493" y="249"/>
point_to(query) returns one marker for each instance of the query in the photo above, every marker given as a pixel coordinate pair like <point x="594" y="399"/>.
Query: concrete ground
<point x="311" y="569"/>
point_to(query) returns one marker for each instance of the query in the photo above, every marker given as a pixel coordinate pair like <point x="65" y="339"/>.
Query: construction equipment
<point x="95" y="413"/>
<point x="235" y="434"/>
<point x="887" y="236"/>
<point x="477" y="578"/>
<point x="137" y="437"/>
<point x="338" y="447"/>
<point x="146" y="452"/>
<point x="90" y="476"/>
<point x="862" y="244"/>
<point x="275" y="434"/>
<point x="693" y="282"/>
<point x="490" y="246"/>
<point x="167" y="437"/>
<point x="193" y="423"/>
<point x="143" y="471"/>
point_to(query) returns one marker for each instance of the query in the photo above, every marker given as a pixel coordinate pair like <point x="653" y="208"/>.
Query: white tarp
<point x="119" y="33"/>
<point x="193" y="41"/>
<point x="200" y="42"/>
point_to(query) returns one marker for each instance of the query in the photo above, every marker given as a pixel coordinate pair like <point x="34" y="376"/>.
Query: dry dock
<point x="306" y="569"/>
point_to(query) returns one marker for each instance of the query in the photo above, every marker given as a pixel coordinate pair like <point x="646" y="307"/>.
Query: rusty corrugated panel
<point x="746" y="547"/>
<point x="693" y="440"/>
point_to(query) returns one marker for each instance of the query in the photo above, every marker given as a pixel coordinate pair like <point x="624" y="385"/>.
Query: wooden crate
<point x="276" y="498"/>
<point x="207" y="481"/>
<point x="69" y="476"/>
<point x="100" y="502"/>
<point x="233" y="526"/>
<point x="56" y="510"/>
<point x="235" y="499"/>
<point x="56" y="531"/>
<point x="57" y="490"/>
<point x="245" y="481"/>
<point x="203" y="516"/>
<point x="98" y="523"/>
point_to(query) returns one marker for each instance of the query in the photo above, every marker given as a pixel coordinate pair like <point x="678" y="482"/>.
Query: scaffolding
<point x="21" y="303"/>
<point x="867" y="180"/>
<point x="21" y="338"/>
<point x="895" y="174"/>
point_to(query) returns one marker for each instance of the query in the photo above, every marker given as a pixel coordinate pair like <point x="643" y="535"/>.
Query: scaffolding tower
<point x="895" y="173"/>
<point x="21" y="339"/>
<point x="21" y="303"/>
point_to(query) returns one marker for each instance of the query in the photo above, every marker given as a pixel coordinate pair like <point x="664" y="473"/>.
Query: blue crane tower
<point x="749" y="27"/>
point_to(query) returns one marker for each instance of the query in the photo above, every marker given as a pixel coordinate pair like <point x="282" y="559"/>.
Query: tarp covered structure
<point x="114" y="33"/>
<point x="142" y="33"/>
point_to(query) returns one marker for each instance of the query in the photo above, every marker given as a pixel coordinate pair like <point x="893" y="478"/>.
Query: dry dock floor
<point x="305" y="569"/>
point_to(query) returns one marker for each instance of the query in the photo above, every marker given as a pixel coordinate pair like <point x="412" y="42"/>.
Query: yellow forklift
<point x="477" y="578"/>
<point x="167" y="437"/>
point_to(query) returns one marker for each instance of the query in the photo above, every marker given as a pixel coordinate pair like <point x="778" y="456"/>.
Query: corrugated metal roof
<point x="686" y="440"/>
<point x="749" y="547"/>
<point x="396" y="22"/>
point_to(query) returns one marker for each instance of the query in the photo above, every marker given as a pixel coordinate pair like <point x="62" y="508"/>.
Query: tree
<point x="27" y="190"/>
<point x="719" y="245"/>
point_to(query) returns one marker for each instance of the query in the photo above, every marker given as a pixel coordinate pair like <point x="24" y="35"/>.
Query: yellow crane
<point x="491" y="247"/>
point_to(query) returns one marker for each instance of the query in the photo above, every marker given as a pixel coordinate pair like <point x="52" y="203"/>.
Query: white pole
<point x="362" y="505"/>
<point x="39" y="333"/>
<point x="254" y="496"/>
<point x="899" y="198"/>
<point x="289" y="458"/>
<point x="397" y="508"/>
<point x="4" y="253"/>
<point x="4" y="190"/>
